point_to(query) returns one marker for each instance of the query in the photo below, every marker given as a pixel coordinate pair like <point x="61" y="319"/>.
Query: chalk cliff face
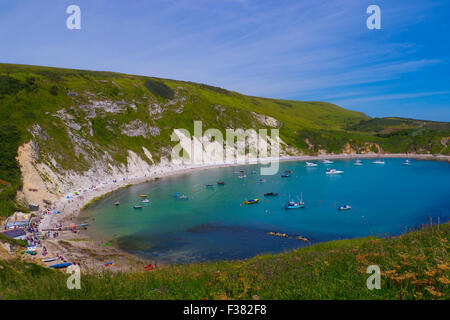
<point x="72" y="129"/>
<point x="44" y="180"/>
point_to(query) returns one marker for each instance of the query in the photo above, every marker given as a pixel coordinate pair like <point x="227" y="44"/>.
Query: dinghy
<point x="60" y="265"/>
<point x="251" y="201"/>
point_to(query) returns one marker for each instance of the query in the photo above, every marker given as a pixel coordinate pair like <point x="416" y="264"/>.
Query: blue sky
<point x="301" y="49"/>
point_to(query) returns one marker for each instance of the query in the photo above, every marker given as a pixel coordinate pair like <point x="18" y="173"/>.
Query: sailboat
<point x="295" y="205"/>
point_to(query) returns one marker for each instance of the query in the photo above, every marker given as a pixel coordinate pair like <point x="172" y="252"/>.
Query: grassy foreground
<point x="413" y="266"/>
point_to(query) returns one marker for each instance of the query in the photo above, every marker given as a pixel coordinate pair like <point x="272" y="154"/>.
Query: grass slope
<point x="413" y="266"/>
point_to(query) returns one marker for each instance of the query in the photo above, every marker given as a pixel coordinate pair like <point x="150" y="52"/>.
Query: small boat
<point x="327" y="161"/>
<point x="285" y="175"/>
<point x="251" y="201"/>
<point x="183" y="197"/>
<point x="84" y="225"/>
<point x="220" y="183"/>
<point x="60" y="265"/>
<point x="378" y="162"/>
<point x="311" y="164"/>
<point x="109" y="264"/>
<point x="346" y="207"/>
<point x="270" y="194"/>
<point x="243" y="176"/>
<point x="117" y="203"/>
<point x="50" y="259"/>
<point x="333" y="171"/>
<point x="31" y="252"/>
<point x="145" y="201"/>
<point x="407" y="163"/>
<point x="357" y="163"/>
<point x="137" y="207"/>
<point x="294" y="205"/>
<point x="143" y="196"/>
<point x="210" y="186"/>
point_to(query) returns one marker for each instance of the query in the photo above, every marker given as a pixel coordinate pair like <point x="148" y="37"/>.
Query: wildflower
<point x="434" y="292"/>
<point x="431" y="272"/>
<point x="444" y="266"/>
<point x="444" y="280"/>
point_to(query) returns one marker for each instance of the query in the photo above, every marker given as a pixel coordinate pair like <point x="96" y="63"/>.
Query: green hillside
<point x="413" y="266"/>
<point x="75" y="116"/>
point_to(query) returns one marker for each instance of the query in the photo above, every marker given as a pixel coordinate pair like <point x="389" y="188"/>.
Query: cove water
<point x="214" y="224"/>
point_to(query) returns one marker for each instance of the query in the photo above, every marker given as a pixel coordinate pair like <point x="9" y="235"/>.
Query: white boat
<point x="407" y="162"/>
<point x="357" y="163"/>
<point x="346" y="207"/>
<point x="378" y="162"/>
<point x="327" y="161"/>
<point x="333" y="171"/>
<point x="145" y="201"/>
<point x="311" y="164"/>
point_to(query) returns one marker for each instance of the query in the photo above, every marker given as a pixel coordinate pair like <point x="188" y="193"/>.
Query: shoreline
<point x="93" y="254"/>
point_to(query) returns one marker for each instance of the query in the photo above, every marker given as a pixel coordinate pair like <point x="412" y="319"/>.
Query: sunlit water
<point x="214" y="224"/>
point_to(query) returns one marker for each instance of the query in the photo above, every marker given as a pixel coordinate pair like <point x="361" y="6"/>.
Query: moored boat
<point x="311" y="164"/>
<point x="270" y="194"/>
<point x="117" y="203"/>
<point x="333" y="171"/>
<point x="251" y="201"/>
<point x="346" y="207"/>
<point x="137" y="207"/>
<point x="145" y="201"/>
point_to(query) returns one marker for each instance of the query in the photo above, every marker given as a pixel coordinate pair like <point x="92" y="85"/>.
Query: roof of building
<point x="14" y="233"/>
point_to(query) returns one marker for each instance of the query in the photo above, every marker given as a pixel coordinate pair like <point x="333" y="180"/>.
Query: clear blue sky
<point x="300" y="49"/>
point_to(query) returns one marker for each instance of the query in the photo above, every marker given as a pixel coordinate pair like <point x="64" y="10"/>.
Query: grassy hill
<point x="413" y="266"/>
<point x="76" y="116"/>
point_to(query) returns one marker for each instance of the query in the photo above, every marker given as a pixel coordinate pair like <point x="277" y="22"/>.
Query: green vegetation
<point x="413" y="266"/>
<point x="75" y="116"/>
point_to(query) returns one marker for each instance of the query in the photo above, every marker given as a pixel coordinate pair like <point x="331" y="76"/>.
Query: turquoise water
<point x="213" y="224"/>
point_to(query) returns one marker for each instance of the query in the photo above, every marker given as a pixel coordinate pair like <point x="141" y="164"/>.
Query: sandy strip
<point x="92" y="254"/>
